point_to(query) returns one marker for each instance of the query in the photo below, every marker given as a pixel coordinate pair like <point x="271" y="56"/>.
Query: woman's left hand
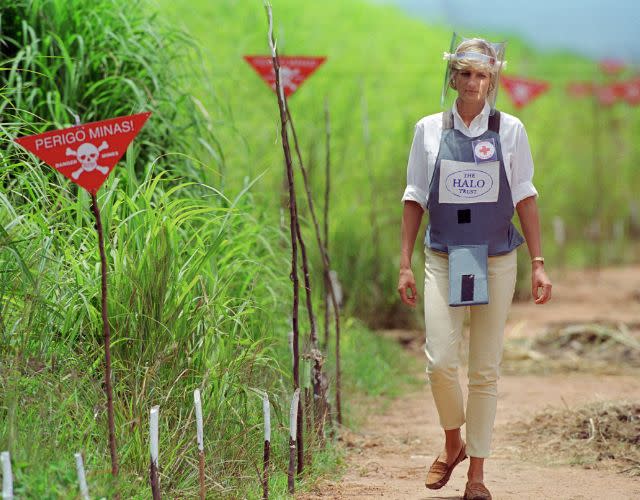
<point x="540" y="280"/>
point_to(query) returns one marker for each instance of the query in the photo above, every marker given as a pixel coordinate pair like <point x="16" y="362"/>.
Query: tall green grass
<point x="193" y="293"/>
<point x="194" y="298"/>
<point x="199" y="292"/>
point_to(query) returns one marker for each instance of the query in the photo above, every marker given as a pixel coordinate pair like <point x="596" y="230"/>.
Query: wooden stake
<point x="82" y="479"/>
<point x="154" y="452"/>
<point x="200" y="438"/>
<point x="107" y="341"/>
<point x="267" y="445"/>
<point x="7" y="476"/>
<point x="316" y="354"/>
<point x="293" y="431"/>
<point x="293" y="214"/>
<point x="327" y="192"/>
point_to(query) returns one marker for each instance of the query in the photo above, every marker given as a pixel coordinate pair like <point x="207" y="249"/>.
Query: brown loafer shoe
<point x="440" y="472"/>
<point x="476" y="491"/>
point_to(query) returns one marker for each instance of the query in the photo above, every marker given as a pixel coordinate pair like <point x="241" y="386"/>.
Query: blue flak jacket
<point x="470" y="208"/>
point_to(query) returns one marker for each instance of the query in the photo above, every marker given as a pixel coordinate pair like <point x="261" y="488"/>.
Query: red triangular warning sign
<point x="608" y="94"/>
<point x="86" y="153"/>
<point x="630" y="91"/>
<point x="523" y="90"/>
<point x="294" y="70"/>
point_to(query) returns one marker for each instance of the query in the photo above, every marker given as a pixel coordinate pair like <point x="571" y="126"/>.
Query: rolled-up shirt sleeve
<point x="522" y="169"/>
<point x="417" y="188"/>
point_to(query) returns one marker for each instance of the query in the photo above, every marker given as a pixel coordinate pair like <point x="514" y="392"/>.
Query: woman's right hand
<point x="407" y="281"/>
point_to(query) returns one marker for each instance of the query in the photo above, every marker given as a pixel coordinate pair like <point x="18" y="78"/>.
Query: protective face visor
<point x="476" y="53"/>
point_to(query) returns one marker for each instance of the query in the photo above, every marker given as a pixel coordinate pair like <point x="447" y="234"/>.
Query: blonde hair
<point x="478" y="54"/>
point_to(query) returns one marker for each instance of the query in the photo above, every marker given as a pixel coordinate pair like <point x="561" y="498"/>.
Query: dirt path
<point x="588" y="295"/>
<point x="389" y="456"/>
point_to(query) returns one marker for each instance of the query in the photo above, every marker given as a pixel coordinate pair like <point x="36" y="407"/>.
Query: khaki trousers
<point x="444" y="326"/>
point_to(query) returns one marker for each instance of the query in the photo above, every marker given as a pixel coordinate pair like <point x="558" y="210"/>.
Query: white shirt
<point x="516" y="153"/>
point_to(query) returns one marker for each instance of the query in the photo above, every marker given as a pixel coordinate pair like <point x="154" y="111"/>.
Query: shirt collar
<point x="478" y="125"/>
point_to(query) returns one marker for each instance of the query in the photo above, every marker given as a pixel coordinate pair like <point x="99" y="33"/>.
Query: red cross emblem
<point x="483" y="150"/>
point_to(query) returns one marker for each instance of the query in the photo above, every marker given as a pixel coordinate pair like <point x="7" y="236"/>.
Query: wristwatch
<point x="537" y="259"/>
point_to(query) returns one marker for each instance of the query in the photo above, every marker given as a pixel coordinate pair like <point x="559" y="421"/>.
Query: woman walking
<point x="470" y="167"/>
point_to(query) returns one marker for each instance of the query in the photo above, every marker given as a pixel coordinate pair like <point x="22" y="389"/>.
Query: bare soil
<point x="389" y="456"/>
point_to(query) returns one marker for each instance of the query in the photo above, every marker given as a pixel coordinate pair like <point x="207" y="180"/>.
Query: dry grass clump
<point x="603" y="434"/>
<point x="593" y="347"/>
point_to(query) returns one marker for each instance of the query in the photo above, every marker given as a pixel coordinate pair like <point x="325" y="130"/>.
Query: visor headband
<point x="475" y="56"/>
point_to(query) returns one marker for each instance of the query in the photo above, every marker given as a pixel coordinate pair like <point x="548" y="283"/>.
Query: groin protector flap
<point x="468" y="275"/>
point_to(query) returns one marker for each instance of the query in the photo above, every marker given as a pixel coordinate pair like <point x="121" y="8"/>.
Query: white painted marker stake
<point x="266" y="410"/>
<point x="200" y="437"/>
<point x="293" y="428"/>
<point x="154" y="449"/>
<point x="7" y="477"/>
<point x="199" y="426"/>
<point x="153" y="433"/>
<point x="293" y="415"/>
<point x="82" y="479"/>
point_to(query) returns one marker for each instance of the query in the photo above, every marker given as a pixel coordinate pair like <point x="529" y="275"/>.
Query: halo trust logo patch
<point x="484" y="150"/>
<point x="469" y="183"/>
<point x="464" y="182"/>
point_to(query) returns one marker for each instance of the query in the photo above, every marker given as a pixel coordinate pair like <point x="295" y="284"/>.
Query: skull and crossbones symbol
<point x="87" y="154"/>
<point x="288" y="75"/>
